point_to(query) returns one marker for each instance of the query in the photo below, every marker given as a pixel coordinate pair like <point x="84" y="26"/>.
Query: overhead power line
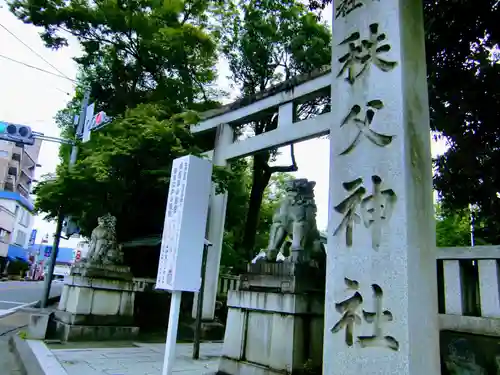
<point x="32" y="50"/>
<point x="34" y="67"/>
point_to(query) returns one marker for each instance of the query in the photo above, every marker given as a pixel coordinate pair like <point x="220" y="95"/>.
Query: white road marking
<point x="13" y="302"/>
<point x="4" y="313"/>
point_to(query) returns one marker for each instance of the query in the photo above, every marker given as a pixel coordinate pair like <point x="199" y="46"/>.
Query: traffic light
<point x="70" y="227"/>
<point x="20" y="134"/>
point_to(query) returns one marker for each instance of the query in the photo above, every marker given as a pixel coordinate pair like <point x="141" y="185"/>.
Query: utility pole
<point x="471" y="213"/>
<point x="60" y="216"/>
<point x="199" y="302"/>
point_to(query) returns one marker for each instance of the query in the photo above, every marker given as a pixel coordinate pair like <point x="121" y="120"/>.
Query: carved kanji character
<point x="348" y="208"/>
<point x="345" y="7"/>
<point x="349" y="310"/>
<point x="363" y="53"/>
<point x="377" y="318"/>
<point x="364" y="124"/>
<point x="375" y="209"/>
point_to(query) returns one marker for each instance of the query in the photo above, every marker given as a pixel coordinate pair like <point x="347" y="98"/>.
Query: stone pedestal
<point x="97" y="303"/>
<point x="275" y="322"/>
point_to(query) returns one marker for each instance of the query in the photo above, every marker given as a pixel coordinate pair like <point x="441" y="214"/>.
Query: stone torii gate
<point x="281" y="98"/>
<point x="381" y="297"/>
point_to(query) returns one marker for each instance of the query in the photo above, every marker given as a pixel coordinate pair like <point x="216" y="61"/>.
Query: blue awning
<point x="10" y="195"/>
<point x="17" y="253"/>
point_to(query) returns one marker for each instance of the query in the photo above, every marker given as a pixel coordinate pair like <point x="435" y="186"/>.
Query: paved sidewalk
<point x="9" y="326"/>
<point x="8" y="363"/>
<point x="142" y="359"/>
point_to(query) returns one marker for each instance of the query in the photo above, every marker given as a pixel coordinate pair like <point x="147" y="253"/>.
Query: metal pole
<point x="60" y="216"/>
<point x="52" y="261"/>
<point x="471" y="225"/>
<point x="173" y="325"/>
<point x="199" y="305"/>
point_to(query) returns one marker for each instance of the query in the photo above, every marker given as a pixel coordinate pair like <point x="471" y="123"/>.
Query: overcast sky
<point x="32" y="97"/>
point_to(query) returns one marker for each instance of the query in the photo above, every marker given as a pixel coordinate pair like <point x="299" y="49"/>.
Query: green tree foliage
<point x="162" y="53"/>
<point x="124" y="170"/>
<point x="463" y="67"/>
<point x="464" y="78"/>
<point x="134" y="51"/>
<point x="454" y="228"/>
<point x="266" y="42"/>
<point x="239" y="187"/>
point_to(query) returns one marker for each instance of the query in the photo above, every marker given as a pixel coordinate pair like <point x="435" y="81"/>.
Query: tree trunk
<point x="260" y="179"/>
<point x="261" y="173"/>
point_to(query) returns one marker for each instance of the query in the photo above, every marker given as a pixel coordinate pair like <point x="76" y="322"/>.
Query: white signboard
<point x="185" y="222"/>
<point x="88" y="121"/>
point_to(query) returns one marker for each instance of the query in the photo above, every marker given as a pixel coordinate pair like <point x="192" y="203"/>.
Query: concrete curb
<point x="25" y="357"/>
<point x="23" y="352"/>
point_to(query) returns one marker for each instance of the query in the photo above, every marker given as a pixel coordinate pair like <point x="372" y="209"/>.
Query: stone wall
<point x="467" y="354"/>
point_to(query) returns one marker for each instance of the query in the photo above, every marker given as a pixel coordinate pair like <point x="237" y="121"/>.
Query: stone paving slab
<point x="144" y="359"/>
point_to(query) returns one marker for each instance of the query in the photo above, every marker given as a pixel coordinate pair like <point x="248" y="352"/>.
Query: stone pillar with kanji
<point x="381" y="290"/>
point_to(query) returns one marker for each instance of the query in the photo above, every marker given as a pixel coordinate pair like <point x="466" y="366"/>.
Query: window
<point x="20" y="238"/>
<point x="4" y="154"/>
<point x="4" y="235"/>
<point x="24" y="218"/>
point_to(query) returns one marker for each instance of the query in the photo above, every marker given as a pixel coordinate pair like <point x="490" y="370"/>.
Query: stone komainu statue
<point x="103" y="249"/>
<point x="295" y="218"/>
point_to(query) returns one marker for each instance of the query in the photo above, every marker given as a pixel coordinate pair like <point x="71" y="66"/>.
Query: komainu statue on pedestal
<point x="295" y="220"/>
<point x="103" y="249"/>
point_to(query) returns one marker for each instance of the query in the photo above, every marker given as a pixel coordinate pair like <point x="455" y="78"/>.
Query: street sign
<point x="183" y="239"/>
<point x="93" y="122"/>
<point x="100" y="119"/>
<point x="20" y="134"/>
<point x="47" y="251"/>
<point x="70" y="227"/>
<point x="185" y="222"/>
<point x="89" y="115"/>
<point x="32" y="237"/>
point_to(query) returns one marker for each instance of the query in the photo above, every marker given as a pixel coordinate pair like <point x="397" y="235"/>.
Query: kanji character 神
<point x="375" y="209"/>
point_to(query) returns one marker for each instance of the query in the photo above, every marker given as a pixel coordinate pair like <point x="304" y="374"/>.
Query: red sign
<point x="78" y="255"/>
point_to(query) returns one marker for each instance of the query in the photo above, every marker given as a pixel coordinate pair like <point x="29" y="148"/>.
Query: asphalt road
<point x="14" y="294"/>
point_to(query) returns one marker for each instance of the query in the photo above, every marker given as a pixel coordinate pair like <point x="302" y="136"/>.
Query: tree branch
<point x="284" y="169"/>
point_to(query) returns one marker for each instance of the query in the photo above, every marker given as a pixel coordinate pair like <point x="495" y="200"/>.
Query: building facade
<point x="17" y="172"/>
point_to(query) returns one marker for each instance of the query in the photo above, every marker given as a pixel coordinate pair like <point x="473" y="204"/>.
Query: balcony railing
<point x="23" y="189"/>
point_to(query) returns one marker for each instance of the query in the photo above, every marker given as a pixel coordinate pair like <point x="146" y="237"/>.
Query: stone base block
<point x="67" y="332"/>
<point x="229" y="366"/>
<point x="273" y="333"/>
<point x="38" y="325"/>
<point x="283" y="277"/>
<point x="210" y="331"/>
<point x="93" y="308"/>
<point x="102" y="271"/>
<point x="93" y="296"/>
<point x="93" y="320"/>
